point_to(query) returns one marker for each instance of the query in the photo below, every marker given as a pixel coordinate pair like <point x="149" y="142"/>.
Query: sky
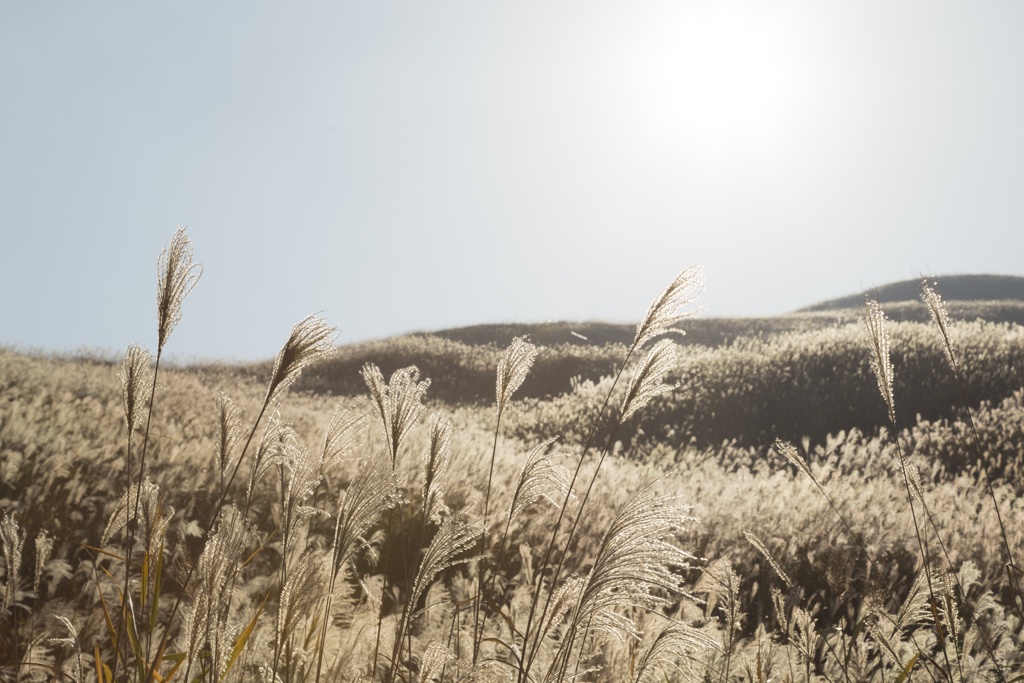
<point x="409" y="166"/>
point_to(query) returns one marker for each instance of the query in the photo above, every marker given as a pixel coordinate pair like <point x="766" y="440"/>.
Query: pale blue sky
<point x="418" y="165"/>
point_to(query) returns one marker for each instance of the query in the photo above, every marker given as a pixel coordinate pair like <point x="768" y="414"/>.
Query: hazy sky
<point x="419" y="165"/>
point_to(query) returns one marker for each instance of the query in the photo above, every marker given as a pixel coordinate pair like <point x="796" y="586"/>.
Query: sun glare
<point x="727" y="84"/>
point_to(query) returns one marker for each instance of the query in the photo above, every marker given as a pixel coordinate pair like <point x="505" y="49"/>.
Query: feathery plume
<point x="881" y="364"/>
<point x="539" y="478"/>
<point x="662" y="314"/>
<point x="342" y="433"/>
<point x="512" y="369"/>
<point x="647" y="381"/>
<point x="147" y="503"/>
<point x="789" y="452"/>
<point x="937" y="309"/>
<point x="70" y="640"/>
<point x="177" y="276"/>
<point x="635" y="567"/>
<point x="136" y="385"/>
<point x="450" y="546"/>
<point x="303" y="590"/>
<point x="277" y="438"/>
<point x="456" y="537"/>
<point x="311" y="340"/>
<point x="399" y="402"/>
<point x="675" y="641"/>
<point x="12" y="538"/>
<point x="763" y="549"/>
<point x="205" y="617"/>
<point x="373" y="491"/>
<point x="44" y="547"/>
<point x="435" y="659"/>
<point x="229" y="433"/>
<point x="436" y="458"/>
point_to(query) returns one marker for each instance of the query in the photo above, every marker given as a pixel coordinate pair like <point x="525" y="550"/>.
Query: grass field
<point x="803" y="498"/>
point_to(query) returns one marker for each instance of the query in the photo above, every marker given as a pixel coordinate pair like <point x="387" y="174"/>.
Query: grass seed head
<point x="881" y="363"/>
<point x="513" y="368"/>
<point x="12" y="538"/>
<point x="177" y="275"/>
<point x="136" y="385"/>
<point x="663" y="312"/>
<point x="937" y="309"/>
<point x="648" y="381"/>
<point x="311" y="340"/>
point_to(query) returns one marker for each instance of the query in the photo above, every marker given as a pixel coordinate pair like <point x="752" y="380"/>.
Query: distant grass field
<point x="530" y="513"/>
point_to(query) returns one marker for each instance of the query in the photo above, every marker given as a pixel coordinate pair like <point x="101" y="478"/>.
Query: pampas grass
<point x="341" y="558"/>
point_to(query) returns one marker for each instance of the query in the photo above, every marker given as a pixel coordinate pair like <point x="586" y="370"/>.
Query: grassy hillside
<point x="337" y="517"/>
<point x="955" y="288"/>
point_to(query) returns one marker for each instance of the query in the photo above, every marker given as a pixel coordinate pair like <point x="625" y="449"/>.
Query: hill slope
<point x="952" y="288"/>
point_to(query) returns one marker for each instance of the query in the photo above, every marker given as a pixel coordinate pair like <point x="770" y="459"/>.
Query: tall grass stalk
<point x="661" y="317"/>
<point x="512" y="370"/>
<point x="937" y="309"/>
<point x="881" y="364"/>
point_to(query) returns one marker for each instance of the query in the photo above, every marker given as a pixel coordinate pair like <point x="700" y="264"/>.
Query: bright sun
<point x="729" y="83"/>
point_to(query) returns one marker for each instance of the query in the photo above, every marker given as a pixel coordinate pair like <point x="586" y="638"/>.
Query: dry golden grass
<point x="174" y="533"/>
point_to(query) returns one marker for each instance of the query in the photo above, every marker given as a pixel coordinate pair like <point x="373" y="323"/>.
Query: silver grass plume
<point x="789" y="452"/>
<point x="177" y="275"/>
<point x="136" y="386"/>
<point x="881" y="364"/>
<point x="12" y="538"/>
<point x="435" y="659"/>
<point x="539" y="478"/>
<point x="937" y="309"/>
<point x="311" y="340"/>
<point x="229" y="433"/>
<point x="450" y="546"/>
<point x="206" y="615"/>
<point x="648" y="379"/>
<point x="343" y="431"/>
<point x="300" y="477"/>
<point x="674" y="642"/>
<point x="806" y="635"/>
<point x="888" y="630"/>
<point x="71" y="641"/>
<point x="663" y="312"/>
<point x="399" y="402"/>
<point x="719" y="580"/>
<point x="373" y="491"/>
<point x="303" y="590"/>
<point x="763" y="549"/>
<point x="635" y="567"/>
<point x="915" y="609"/>
<point x="277" y="437"/>
<point x="143" y="504"/>
<point x="436" y="459"/>
<point x="44" y="547"/>
<point x="512" y="370"/>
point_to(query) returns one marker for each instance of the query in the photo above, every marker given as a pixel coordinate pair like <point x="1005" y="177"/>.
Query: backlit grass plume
<point x="881" y="363"/>
<point x="637" y="566"/>
<point x="663" y="312"/>
<point x="177" y="275"/>
<point x="436" y="459"/>
<point x="136" y="386"/>
<point x="937" y="309"/>
<point x="12" y="538"/>
<point x="399" y="402"/>
<point x="311" y="340"/>
<point x="648" y="381"/>
<point x="44" y="547"/>
<point x="512" y="369"/>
